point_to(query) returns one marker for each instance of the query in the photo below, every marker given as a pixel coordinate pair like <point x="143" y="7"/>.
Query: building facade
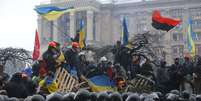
<point x="103" y="23"/>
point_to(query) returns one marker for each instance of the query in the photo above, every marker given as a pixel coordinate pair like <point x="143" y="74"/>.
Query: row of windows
<point x="195" y="11"/>
<point x="180" y="37"/>
<point x="196" y="24"/>
<point x="172" y="12"/>
<point x="177" y="37"/>
<point x="47" y="31"/>
<point x="179" y="50"/>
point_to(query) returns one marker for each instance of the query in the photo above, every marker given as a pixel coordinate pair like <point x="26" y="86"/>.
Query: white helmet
<point x="81" y="53"/>
<point x="103" y="59"/>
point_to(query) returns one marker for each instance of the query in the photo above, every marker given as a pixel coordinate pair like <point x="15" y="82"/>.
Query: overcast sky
<point x="18" y="22"/>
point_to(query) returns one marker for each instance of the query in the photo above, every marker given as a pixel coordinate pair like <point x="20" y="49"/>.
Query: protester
<point x="50" y="56"/>
<point x="163" y="77"/>
<point x="48" y="84"/>
<point x="72" y="58"/>
<point x="115" y="97"/>
<point x="117" y="52"/>
<point x="134" y="67"/>
<point x="54" y="97"/>
<point x="123" y="71"/>
<point x="175" y="73"/>
<point x="103" y="65"/>
<point x="15" y="87"/>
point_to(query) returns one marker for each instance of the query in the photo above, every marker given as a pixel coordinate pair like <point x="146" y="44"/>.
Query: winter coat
<point x="117" y="54"/>
<point x="71" y="58"/>
<point x="162" y="75"/>
<point x="133" y="69"/>
<point x="125" y="57"/>
<point x="48" y="56"/>
<point x="146" y="69"/>
<point x="188" y="68"/>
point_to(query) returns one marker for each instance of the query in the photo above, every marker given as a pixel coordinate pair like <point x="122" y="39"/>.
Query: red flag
<point x="36" y="52"/>
<point x="163" y="23"/>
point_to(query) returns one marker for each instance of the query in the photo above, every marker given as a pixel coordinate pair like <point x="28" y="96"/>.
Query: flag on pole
<point x="81" y="35"/>
<point x="190" y="36"/>
<point x="51" y="12"/>
<point x="125" y="32"/>
<point x="36" y="52"/>
<point x="163" y="23"/>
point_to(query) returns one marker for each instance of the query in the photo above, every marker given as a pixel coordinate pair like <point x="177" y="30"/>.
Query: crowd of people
<point x="84" y="95"/>
<point x="170" y="80"/>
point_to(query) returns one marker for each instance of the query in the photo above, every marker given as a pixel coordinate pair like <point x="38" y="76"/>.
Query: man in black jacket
<point x="72" y="58"/>
<point x="176" y="76"/>
<point x="15" y="87"/>
<point x="117" y="52"/>
<point x="134" y="67"/>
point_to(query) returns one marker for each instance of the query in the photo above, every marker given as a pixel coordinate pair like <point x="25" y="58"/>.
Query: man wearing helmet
<point x="50" y="56"/>
<point x="72" y="57"/>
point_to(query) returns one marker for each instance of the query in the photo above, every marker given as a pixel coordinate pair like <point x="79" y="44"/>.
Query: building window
<point x="47" y="31"/>
<point x="64" y="28"/>
<point x="177" y="13"/>
<point x="198" y="49"/>
<point x="194" y="12"/>
<point x="199" y="35"/>
<point x="174" y="51"/>
<point x="181" y="50"/>
<point x="177" y="51"/>
<point x="177" y="37"/>
<point x="196" y="24"/>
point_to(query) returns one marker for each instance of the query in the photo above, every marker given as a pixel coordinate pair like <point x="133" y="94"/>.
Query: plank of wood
<point x="65" y="81"/>
<point x="60" y="78"/>
<point x="72" y="85"/>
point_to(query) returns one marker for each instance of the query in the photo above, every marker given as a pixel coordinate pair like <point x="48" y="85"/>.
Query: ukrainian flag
<point x="81" y="35"/>
<point x="190" y="36"/>
<point x="51" y="12"/>
<point x="101" y="83"/>
<point x="124" y="32"/>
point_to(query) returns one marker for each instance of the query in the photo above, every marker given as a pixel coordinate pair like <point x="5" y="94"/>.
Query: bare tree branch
<point x="9" y="54"/>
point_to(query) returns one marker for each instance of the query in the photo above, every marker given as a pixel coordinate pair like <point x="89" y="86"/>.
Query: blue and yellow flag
<point x="124" y="32"/>
<point x="81" y="35"/>
<point x="101" y="83"/>
<point x="190" y="38"/>
<point x="51" y="12"/>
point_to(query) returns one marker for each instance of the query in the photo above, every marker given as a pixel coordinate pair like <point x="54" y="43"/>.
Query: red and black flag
<point x="163" y="23"/>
